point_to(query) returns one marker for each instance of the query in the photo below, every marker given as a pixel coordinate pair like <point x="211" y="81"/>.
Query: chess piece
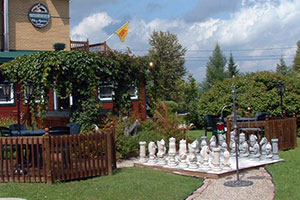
<point x="243" y="146"/>
<point x="143" y="158"/>
<point x="275" y="149"/>
<point x="252" y="141"/>
<point x="172" y="152"/>
<point x="152" y="150"/>
<point x="213" y="143"/>
<point x="226" y="160"/>
<point x="263" y="143"/>
<point x="197" y="146"/>
<point x="232" y="148"/>
<point x="205" y="154"/>
<point x="182" y="154"/>
<point x="203" y="141"/>
<point x="269" y="154"/>
<point x="216" y="160"/>
<point x="256" y="152"/>
<point x="161" y="146"/>
<point x="222" y="143"/>
<point x="192" y="156"/>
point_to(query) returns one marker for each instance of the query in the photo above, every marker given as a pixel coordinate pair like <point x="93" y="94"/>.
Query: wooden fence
<point x="56" y="158"/>
<point x="283" y="129"/>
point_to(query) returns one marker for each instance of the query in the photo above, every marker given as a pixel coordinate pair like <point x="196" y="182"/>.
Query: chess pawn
<point x="269" y="154"/>
<point x="152" y="150"/>
<point x="172" y="152"/>
<point x="216" y="160"/>
<point x="226" y="160"/>
<point x="192" y="156"/>
<point x="161" y="152"/>
<point x="143" y="158"/>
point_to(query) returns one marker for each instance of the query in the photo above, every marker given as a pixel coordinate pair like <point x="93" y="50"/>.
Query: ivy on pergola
<point x="78" y="73"/>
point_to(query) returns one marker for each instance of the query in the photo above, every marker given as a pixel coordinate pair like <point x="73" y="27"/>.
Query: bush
<point x="255" y="89"/>
<point x="5" y="121"/>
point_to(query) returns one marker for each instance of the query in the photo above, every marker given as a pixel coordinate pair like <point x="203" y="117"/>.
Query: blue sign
<point x="39" y="15"/>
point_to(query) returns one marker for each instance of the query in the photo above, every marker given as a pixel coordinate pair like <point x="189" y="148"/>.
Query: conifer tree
<point x="215" y="68"/>
<point x="282" y="68"/>
<point x="296" y="63"/>
<point x="232" y="68"/>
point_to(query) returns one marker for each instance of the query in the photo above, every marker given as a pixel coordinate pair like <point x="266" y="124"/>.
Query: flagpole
<point x="114" y="33"/>
<point x="109" y="37"/>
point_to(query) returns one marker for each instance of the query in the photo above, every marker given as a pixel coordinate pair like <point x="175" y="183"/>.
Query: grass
<point x="196" y="133"/>
<point x="286" y="175"/>
<point x="126" y="183"/>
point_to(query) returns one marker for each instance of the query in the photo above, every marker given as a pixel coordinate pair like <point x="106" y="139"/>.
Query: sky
<point x="257" y="32"/>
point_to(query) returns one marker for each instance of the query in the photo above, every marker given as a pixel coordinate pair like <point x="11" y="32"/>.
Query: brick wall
<point x="24" y="36"/>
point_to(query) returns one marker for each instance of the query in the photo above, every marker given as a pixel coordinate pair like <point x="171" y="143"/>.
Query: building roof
<point x="10" y="55"/>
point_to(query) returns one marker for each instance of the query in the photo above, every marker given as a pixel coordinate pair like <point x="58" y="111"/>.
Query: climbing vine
<point x="75" y="73"/>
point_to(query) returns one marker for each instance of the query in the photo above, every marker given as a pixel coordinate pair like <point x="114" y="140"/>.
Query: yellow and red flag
<point x="122" y="32"/>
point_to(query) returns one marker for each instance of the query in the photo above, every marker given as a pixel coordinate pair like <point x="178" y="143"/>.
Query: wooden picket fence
<point x="283" y="129"/>
<point x="57" y="158"/>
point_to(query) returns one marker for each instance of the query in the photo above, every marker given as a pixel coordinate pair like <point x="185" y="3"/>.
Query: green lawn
<point x="197" y="133"/>
<point x="286" y="175"/>
<point x="126" y="183"/>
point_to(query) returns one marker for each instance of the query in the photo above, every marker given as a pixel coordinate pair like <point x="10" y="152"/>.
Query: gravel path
<point x="213" y="189"/>
<point x="262" y="188"/>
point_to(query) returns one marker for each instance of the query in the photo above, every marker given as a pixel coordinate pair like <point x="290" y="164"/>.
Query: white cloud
<point x="254" y="26"/>
<point x="92" y="27"/>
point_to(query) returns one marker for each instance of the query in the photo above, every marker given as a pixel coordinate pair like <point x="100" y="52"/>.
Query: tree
<point x="282" y="68"/>
<point x="232" y="68"/>
<point x="296" y="63"/>
<point x="167" y="58"/>
<point x="192" y="94"/>
<point x="215" y="68"/>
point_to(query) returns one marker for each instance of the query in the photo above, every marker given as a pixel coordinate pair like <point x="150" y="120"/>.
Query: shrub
<point x="5" y="121"/>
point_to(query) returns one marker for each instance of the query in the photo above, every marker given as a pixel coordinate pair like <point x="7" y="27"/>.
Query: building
<point x="30" y="26"/>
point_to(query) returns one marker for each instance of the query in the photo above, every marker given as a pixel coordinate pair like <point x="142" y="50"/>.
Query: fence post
<point x="47" y="156"/>
<point x="109" y="152"/>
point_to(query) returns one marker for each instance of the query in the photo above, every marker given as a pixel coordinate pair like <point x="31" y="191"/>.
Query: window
<point x="133" y="92"/>
<point x="62" y="104"/>
<point x="105" y="92"/>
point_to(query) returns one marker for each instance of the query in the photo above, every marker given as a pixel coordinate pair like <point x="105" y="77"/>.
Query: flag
<point x="122" y="32"/>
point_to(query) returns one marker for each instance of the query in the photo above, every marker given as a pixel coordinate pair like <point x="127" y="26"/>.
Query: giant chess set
<point x="209" y="158"/>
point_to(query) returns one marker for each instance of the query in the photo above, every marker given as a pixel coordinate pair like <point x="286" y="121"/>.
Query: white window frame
<point x="55" y="100"/>
<point x="135" y="92"/>
<point x="105" y="98"/>
<point x="12" y="95"/>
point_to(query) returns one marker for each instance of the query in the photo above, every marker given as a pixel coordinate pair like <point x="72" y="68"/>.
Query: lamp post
<point x="280" y="90"/>
<point x="7" y="91"/>
<point x="237" y="182"/>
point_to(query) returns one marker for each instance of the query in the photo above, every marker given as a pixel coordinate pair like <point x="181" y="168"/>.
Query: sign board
<point x="39" y="15"/>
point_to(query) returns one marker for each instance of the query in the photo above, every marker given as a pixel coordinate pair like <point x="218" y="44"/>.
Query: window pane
<point x="105" y="91"/>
